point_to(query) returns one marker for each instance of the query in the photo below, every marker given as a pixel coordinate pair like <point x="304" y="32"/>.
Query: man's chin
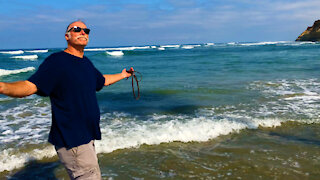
<point x="82" y="44"/>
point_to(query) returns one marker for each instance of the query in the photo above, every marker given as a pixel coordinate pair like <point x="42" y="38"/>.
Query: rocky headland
<point x="311" y="33"/>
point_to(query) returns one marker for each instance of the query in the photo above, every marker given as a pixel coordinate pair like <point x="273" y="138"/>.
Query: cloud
<point x="159" y="21"/>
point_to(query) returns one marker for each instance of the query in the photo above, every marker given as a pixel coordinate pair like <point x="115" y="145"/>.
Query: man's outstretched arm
<point x="18" y="89"/>
<point x="113" y="78"/>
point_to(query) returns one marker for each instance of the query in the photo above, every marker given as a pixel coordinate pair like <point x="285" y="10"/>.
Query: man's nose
<point x="82" y="32"/>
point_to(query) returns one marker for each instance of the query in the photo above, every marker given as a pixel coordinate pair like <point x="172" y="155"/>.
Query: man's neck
<point x="76" y="51"/>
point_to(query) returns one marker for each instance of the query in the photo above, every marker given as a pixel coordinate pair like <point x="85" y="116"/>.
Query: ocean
<point x="207" y="111"/>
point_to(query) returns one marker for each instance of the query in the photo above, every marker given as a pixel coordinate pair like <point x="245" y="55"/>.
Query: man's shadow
<point x="35" y="170"/>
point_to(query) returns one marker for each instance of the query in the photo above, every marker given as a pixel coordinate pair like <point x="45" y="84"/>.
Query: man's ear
<point x="67" y="36"/>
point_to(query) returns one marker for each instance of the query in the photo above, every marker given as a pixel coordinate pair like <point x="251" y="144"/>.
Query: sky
<point x="33" y="24"/>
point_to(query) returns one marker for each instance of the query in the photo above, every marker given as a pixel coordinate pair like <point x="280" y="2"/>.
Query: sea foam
<point x="263" y="43"/>
<point x="133" y="135"/>
<point x="38" y="51"/>
<point x="209" y="44"/>
<point x="118" y="48"/>
<point x="12" y="52"/>
<point x="11" y="159"/>
<point x="27" y="57"/>
<point x="190" y="46"/>
<point x="29" y="122"/>
<point x="4" y="72"/>
<point x="19" y="122"/>
<point x="96" y="49"/>
<point x="293" y="97"/>
<point x="187" y="47"/>
<point x="115" y="53"/>
<point x="170" y="46"/>
<point x="155" y="131"/>
<point x="129" y="48"/>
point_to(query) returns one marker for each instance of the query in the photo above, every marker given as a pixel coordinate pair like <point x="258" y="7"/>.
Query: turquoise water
<point x="234" y="110"/>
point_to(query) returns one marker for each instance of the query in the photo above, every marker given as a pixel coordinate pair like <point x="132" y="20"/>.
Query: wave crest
<point x="4" y="72"/>
<point x="38" y="51"/>
<point x="115" y="53"/>
<point x="12" y="52"/>
<point x="27" y="57"/>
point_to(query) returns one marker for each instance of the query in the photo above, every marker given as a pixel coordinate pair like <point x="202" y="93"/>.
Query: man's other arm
<point x="113" y="78"/>
<point x="18" y="89"/>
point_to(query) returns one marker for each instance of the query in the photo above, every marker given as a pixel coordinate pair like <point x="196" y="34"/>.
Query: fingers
<point x="131" y="70"/>
<point x="127" y="73"/>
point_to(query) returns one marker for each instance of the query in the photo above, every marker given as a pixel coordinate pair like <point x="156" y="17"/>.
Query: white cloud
<point x="228" y="20"/>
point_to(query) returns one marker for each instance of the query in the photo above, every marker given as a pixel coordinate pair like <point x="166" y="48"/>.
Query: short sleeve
<point x="46" y="77"/>
<point x="100" y="80"/>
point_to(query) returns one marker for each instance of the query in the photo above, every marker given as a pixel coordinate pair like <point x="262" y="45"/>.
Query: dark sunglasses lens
<point x="86" y="30"/>
<point x="77" y="29"/>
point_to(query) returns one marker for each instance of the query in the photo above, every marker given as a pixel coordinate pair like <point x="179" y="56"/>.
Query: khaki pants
<point x="80" y="162"/>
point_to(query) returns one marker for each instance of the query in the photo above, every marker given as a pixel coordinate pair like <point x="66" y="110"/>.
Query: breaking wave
<point x="27" y="57"/>
<point x="12" y="52"/>
<point x="115" y="53"/>
<point x="4" y="72"/>
<point x="125" y="132"/>
<point x="190" y="46"/>
<point x="38" y="51"/>
<point x="170" y="46"/>
<point x="119" y="48"/>
<point x="166" y="129"/>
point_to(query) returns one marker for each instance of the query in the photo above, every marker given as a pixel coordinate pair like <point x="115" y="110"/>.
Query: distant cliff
<point x="311" y="33"/>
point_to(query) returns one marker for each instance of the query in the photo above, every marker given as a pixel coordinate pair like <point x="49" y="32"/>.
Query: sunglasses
<point x="78" y="29"/>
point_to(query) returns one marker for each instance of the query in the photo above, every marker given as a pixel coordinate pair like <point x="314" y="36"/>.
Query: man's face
<point x="77" y="38"/>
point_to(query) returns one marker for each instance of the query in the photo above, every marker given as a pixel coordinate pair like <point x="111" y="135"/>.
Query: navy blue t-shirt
<point x="71" y="83"/>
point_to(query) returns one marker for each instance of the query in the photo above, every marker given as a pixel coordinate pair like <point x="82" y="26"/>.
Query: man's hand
<point x="113" y="78"/>
<point x="126" y="74"/>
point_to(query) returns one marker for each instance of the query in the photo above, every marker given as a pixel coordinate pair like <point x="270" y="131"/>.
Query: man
<point x="71" y="81"/>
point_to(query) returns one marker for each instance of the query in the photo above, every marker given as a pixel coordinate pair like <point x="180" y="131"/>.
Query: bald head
<point x="72" y="24"/>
